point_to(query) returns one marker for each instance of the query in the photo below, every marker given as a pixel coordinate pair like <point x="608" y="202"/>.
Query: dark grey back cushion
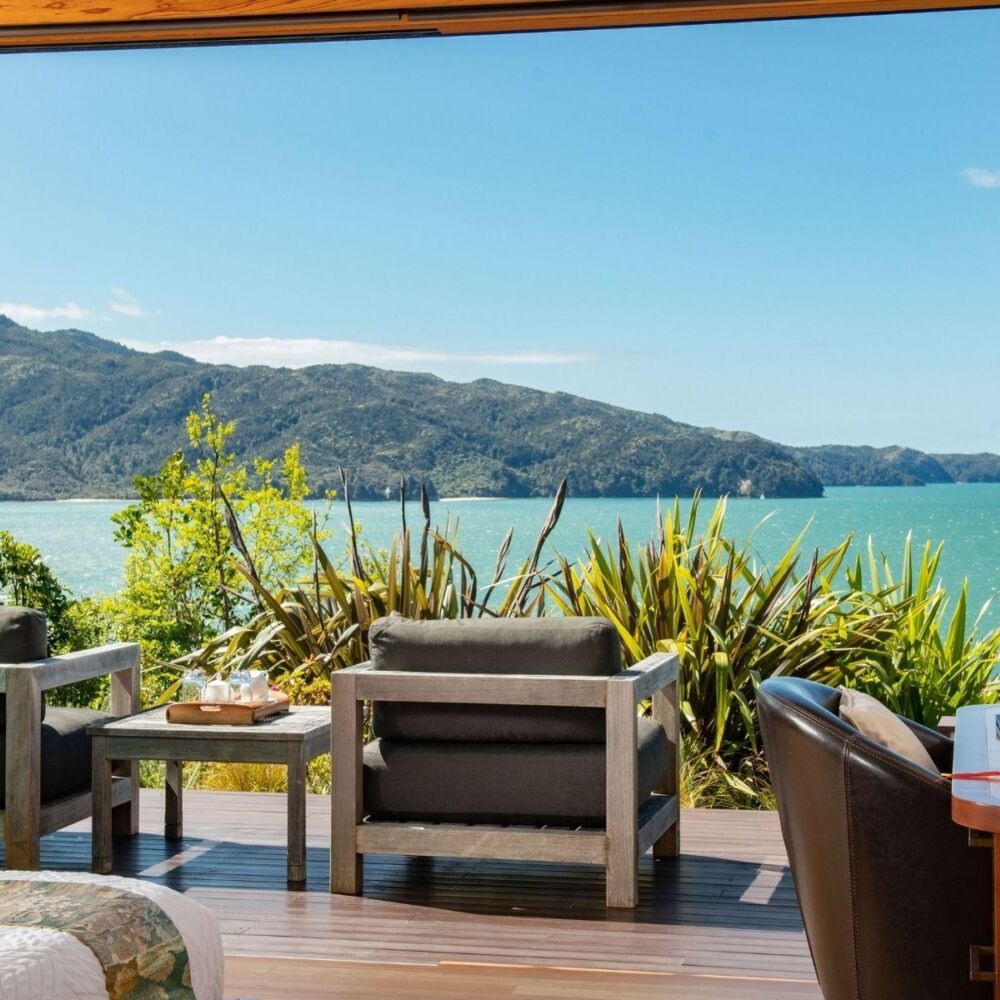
<point x="563" y="646"/>
<point x="23" y="635"/>
<point x="23" y="638"/>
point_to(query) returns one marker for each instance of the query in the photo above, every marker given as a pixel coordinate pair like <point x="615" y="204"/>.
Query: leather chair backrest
<point x="892" y="895"/>
<point x="561" y="646"/>
<point x="23" y="639"/>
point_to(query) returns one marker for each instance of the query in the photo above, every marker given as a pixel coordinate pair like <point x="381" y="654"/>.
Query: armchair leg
<point x="23" y="801"/>
<point x="622" y="876"/>
<point x="346" y="864"/>
<point x="622" y="797"/>
<point x="666" y="712"/>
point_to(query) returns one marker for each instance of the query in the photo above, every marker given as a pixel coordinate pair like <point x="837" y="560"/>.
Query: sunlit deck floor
<point x="720" y="922"/>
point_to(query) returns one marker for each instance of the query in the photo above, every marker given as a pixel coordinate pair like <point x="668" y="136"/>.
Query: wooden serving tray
<point x="199" y="713"/>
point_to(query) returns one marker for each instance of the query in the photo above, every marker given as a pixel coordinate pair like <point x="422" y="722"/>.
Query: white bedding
<point x="50" y="965"/>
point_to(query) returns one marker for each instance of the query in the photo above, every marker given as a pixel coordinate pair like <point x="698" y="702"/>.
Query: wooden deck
<point x="720" y="922"/>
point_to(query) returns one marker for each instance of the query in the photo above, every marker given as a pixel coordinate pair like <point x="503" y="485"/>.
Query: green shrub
<point x="27" y="580"/>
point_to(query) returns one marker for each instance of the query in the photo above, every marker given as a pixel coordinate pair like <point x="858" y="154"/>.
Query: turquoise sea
<point x="76" y="537"/>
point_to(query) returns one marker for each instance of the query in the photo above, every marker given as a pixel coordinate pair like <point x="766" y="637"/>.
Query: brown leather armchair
<point x="892" y="894"/>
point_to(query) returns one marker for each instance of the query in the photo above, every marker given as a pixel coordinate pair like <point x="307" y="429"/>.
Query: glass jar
<point x="239" y="685"/>
<point x="193" y="685"/>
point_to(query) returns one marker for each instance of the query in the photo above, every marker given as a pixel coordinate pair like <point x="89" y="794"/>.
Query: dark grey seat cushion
<point x="23" y="639"/>
<point x="562" y="646"/>
<point x="65" y="753"/>
<point x="523" y="783"/>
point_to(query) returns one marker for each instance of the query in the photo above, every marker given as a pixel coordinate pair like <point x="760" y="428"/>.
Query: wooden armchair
<point x="505" y="739"/>
<point x="46" y="766"/>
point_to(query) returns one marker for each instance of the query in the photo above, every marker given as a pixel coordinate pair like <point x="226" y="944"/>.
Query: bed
<point x="46" y="963"/>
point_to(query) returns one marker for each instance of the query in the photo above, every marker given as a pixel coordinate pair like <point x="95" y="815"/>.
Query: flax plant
<point x="732" y="622"/>
<point x="303" y="632"/>
<point x="930" y="665"/>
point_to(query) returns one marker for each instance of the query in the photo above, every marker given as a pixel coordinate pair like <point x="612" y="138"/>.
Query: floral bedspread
<point x="140" y="950"/>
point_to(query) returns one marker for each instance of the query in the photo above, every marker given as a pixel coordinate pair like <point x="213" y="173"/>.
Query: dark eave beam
<point x="27" y="25"/>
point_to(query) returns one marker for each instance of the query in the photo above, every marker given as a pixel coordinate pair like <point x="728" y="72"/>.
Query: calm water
<point x="76" y="537"/>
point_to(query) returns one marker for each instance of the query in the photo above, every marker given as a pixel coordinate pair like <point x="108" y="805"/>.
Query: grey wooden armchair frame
<point x="632" y="827"/>
<point x="25" y="818"/>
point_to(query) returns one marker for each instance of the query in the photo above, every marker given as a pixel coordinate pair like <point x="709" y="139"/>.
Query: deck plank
<point x="310" y="980"/>
<point x="719" y="921"/>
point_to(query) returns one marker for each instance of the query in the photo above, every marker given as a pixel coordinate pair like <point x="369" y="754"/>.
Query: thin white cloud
<point x="276" y="352"/>
<point x="981" y="177"/>
<point x="28" y="315"/>
<point x="126" y="304"/>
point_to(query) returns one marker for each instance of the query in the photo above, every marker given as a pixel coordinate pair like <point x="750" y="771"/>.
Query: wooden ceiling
<point x="59" y="24"/>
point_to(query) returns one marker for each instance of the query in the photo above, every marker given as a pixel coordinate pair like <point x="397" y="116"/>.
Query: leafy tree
<point x="181" y="579"/>
<point x="27" y="581"/>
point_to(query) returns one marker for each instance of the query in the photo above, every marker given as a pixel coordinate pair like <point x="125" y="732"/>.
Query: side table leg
<point x="296" y="813"/>
<point x="173" y="799"/>
<point x="101" y="806"/>
<point x="996" y="914"/>
<point x="125" y="700"/>
<point x="125" y="817"/>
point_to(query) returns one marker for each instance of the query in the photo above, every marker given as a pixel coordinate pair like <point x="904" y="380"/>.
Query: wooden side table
<point x="293" y="739"/>
<point x="976" y="803"/>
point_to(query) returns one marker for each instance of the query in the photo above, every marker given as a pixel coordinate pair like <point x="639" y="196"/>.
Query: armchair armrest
<point x="645" y="679"/>
<point x="474" y="689"/>
<point x="650" y="675"/>
<point x="358" y="668"/>
<point x="630" y="834"/>
<point x="56" y="671"/>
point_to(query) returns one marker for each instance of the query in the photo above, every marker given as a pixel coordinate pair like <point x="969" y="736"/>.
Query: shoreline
<point x="493" y="499"/>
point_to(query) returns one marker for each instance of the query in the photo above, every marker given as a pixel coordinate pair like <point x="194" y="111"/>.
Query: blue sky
<point x="790" y="228"/>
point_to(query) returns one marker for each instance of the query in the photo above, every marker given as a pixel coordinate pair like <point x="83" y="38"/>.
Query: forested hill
<point x="80" y="416"/>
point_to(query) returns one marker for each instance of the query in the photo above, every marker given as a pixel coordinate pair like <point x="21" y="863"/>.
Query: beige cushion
<point x="872" y="719"/>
